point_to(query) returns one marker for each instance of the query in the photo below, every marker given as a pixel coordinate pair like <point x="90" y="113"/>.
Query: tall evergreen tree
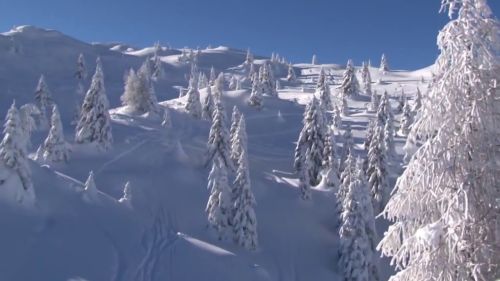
<point x="94" y="125"/>
<point x="256" y="99"/>
<point x="43" y="99"/>
<point x="330" y="162"/>
<point x="157" y="71"/>
<point x="323" y="92"/>
<point x="406" y="119"/>
<point x="13" y="152"/>
<point x="348" y="145"/>
<point x="376" y="170"/>
<point x="54" y="148"/>
<point x="418" y="100"/>
<point x="350" y="85"/>
<point x="239" y="140"/>
<point x="384" y="64"/>
<point x="291" y="74"/>
<point x="219" y="202"/>
<point x="445" y="205"/>
<point x="235" y="120"/>
<point x="311" y="142"/>
<point x="193" y="103"/>
<point x="366" y="79"/>
<point x="218" y="145"/>
<point x="208" y="105"/>
<point x="244" y="220"/>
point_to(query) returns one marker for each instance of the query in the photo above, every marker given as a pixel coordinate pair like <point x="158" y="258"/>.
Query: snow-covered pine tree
<point x="384" y="64"/>
<point x="337" y="118"/>
<point x="256" y="99"/>
<point x="376" y="168"/>
<point x="94" y="125"/>
<point x="356" y="252"/>
<point x="232" y="83"/>
<point x="267" y="81"/>
<point x="249" y="57"/>
<point x="235" y="120"/>
<point x="375" y="101"/>
<point x="445" y="205"/>
<point x="418" y="101"/>
<point x="244" y="220"/>
<point x="291" y="74"/>
<point x="43" y="99"/>
<point x="346" y="177"/>
<point x="213" y="76"/>
<point x="369" y="217"/>
<point x="219" y="144"/>
<point x="208" y="105"/>
<point x="139" y="92"/>
<point x="81" y="68"/>
<point x="13" y="152"/>
<point x="311" y="142"/>
<point x="193" y="103"/>
<point x="367" y="80"/>
<point x="54" y="148"/>
<point x="314" y="60"/>
<point x="330" y="162"/>
<point x="239" y="140"/>
<point x="348" y="145"/>
<point x="202" y="81"/>
<point x="389" y="133"/>
<point x="219" y="86"/>
<point x="406" y="119"/>
<point x="167" y="120"/>
<point x="28" y="123"/>
<point x="344" y="106"/>
<point x="370" y="130"/>
<point x="323" y="92"/>
<point x="157" y="71"/>
<point x="219" y="208"/>
<point x="401" y="101"/>
<point x="350" y="85"/>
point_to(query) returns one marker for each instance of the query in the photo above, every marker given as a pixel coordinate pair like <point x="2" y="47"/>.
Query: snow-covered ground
<point x="162" y="234"/>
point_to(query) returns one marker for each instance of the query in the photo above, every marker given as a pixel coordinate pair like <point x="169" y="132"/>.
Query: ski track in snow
<point x="155" y="240"/>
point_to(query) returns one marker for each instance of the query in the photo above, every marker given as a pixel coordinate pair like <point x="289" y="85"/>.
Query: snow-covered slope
<point x="161" y="234"/>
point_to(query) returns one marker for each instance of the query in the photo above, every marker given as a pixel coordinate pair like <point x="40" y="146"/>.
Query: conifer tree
<point x="208" y="105"/>
<point x="28" y="123"/>
<point x="13" y="152"/>
<point x="232" y="83"/>
<point x="375" y="101"/>
<point x="219" y="202"/>
<point x="323" y="92"/>
<point x="418" y="101"/>
<point x="445" y="205"/>
<point x="291" y="74"/>
<point x="350" y="85"/>
<point x="330" y="162"/>
<point x="54" y="148"/>
<point x="235" y="120"/>
<point x="219" y="144"/>
<point x="81" y="68"/>
<point x="376" y="170"/>
<point x="356" y="251"/>
<point x="244" y="220"/>
<point x="337" y="118"/>
<point x="157" y="72"/>
<point x="346" y="177"/>
<point x="193" y="103"/>
<point x="94" y="123"/>
<point x="43" y="99"/>
<point x="239" y="140"/>
<point x="90" y="190"/>
<point x="249" y="58"/>
<point x="367" y="80"/>
<point x="139" y="92"/>
<point x="213" y="76"/>
<point x="256" y="99"/>
<point x="401" y="101"/>
<point x="347" y="146"/>
<point x="311" y="142"/>
<point x="406" y="119"/>
<point x="384" y="65"/>
<point x="267" y="81"/>
<point x="314" y="60"/>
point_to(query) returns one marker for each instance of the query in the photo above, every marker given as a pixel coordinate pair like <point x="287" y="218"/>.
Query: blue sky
<point x="335" y="30"/>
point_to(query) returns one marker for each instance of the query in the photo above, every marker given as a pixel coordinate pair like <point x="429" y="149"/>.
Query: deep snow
<point x="161" y="234"/>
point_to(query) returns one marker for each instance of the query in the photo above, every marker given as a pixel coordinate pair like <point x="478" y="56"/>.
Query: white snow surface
<point x="162" y="233"/>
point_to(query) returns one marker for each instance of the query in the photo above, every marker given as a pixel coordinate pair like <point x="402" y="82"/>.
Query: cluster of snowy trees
<point x="230" y="208"/>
